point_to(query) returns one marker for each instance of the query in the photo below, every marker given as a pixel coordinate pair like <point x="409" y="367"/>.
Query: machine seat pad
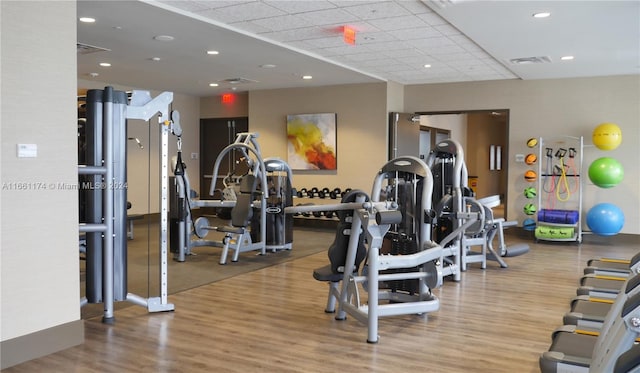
<point x="326" y="274"/>
<point x="229" y="229"/>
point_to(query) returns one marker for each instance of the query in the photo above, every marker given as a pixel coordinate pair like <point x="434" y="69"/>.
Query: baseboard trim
<point x="44" y="342"/>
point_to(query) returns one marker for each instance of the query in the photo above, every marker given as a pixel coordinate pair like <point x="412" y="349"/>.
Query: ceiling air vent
<point x="239" y="81"/>
<point x="86" y="49"/>
<point x="530" y="60"/>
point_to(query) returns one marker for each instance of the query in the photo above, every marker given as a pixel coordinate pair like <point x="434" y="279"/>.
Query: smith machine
<point x="106" y="194"/>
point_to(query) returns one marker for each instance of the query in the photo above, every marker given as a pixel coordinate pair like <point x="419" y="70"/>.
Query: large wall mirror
<point x="482" y="134"/>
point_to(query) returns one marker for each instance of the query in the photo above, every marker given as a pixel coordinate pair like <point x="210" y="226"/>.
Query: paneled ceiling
<point x="273" y="44"/>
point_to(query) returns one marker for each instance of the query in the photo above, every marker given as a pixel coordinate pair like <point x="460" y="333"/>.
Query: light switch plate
<point x="27" y="150"/>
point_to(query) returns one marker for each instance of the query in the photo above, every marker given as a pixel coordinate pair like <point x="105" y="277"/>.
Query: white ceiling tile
<point x="432" y="19"/>
<point x="326" y="42"/>
<point x="445" y="50"/>
<point x="295" y="35"/>
<point x="415" y="7"/>
<point x="376" y="10"/>
<point x="387" y="46"/>
<point x="242" y="12"/>
<point x="447" y="30"/>
<point x="329" y="17"/>
<point x="372" y="38"/>
<point x="339" y="50"/>
<point x="406" y="53"/>
<point x="415" y="33"/>
<point x="280" y="23"/>
<point x="398" y="23"/>
<point x="451" y="57"/>
<point x="429" y="43"/>
<point x="251" y="27"/>
<point x="297" y="6"/>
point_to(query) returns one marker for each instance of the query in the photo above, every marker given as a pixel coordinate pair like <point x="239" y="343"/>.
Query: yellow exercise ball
<point x="607" y="136"/>
<point x="532" y="142"/>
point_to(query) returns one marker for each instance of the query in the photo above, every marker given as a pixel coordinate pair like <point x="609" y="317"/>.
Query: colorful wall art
<point x="312" y="141"/>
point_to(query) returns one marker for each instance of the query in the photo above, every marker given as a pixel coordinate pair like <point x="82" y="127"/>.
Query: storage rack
<point x="574" y="201"/>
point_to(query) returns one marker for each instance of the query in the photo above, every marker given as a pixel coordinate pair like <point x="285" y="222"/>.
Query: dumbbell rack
<point x="317" y="196"/>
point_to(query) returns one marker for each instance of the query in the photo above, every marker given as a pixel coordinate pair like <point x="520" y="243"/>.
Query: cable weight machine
<point x="106" y="192"/>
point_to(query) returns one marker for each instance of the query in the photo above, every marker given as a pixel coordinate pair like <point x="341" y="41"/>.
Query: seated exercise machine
<point x="494" y="227"/>
<point x="609" y="350"/>
<point x="452" y="195"/>
<point x="392" y="235"/>
<point x="266" y="193"/>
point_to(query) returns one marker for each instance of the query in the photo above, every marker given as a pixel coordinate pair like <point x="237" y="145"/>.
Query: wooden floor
<point x="272" y="320"/>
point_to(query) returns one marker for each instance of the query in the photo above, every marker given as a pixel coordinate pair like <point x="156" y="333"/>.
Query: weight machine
<point x="452" y="196"/>
<point x="106" y="194"/>
<point x="402" y="263"/>
<point x="273" y="180"/>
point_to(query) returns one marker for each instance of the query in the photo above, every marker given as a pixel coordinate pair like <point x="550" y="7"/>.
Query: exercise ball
<point x="606" y="172"/>
<point x="530" y="176"/>
<point x="607" y="136"/>
<point x="530" y="209"/>
<point x="532" y="142"/>
<point x="530" y="159"/>
<point x="529" y="224"/>
<point x="530" y="192"/>
<point x="605" y="219"/>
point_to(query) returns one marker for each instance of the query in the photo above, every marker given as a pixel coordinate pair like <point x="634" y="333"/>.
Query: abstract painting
<point x="311" y="141"/>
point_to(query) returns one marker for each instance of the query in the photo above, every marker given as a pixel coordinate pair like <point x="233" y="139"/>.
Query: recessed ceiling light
<point x="87" y="19"/>
<point x="427" y="66"/>
<point x="307" y="77"/>
<point x="213" y="84"/>
<point x="541" y="15"/>
<point x="566" y="58"/>
<point x="267" y="66"/>
<point x="163" y="38"/>
<point x="155" y="59"/>
<point x="213" y="52"/>
<point x="105" y="64"/>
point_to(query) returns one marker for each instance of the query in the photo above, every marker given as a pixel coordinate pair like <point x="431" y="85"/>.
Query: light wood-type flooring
<point x="273" y="320"/>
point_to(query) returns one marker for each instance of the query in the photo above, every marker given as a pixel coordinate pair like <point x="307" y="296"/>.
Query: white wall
<point x="39" y="244"/>
<point x="541" y="108"/>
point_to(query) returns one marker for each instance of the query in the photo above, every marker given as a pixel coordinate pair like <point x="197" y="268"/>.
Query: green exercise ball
<point x="606" y="172"/>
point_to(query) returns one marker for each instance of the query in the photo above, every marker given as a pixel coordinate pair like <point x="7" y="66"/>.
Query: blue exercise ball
<point x="605" y="219"/>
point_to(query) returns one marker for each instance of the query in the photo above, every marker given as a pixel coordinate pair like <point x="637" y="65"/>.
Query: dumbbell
<point x="324" y="193"/>
<point x="302" y="193"/>
<point x="335" y="193"/>
<point x="329" y="214"/>
<point x="346" y="191"/>
<point x="318" y="214"/>
<point x="312" y="192"/>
